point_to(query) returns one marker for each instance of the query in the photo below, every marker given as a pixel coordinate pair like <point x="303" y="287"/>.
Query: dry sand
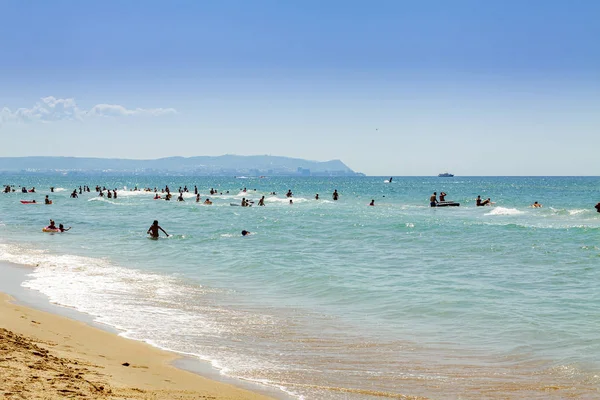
<point x="46" y="356"/>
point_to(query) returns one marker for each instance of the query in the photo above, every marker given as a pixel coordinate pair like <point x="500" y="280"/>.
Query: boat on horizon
<point x="445" y="175"/>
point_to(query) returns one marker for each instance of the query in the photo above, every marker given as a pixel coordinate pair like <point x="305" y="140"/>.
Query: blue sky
<point x="389" y="87"/>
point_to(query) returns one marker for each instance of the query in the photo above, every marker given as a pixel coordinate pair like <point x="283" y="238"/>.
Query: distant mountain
<point x="202" y="165"/>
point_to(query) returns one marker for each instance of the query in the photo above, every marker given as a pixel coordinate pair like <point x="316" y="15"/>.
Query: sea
<point x="334" y="299"/>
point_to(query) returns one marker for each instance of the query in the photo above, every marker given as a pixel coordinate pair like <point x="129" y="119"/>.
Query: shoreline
<point x="54" y="350"/>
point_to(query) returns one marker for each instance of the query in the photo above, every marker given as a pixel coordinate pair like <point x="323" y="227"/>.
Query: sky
<point x="390" y="87"/>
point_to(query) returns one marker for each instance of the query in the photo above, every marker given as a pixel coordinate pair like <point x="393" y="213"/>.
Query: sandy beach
<point x="46" y="356"/>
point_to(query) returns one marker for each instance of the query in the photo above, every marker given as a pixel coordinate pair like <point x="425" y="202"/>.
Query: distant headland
<point x="226" y="165"/>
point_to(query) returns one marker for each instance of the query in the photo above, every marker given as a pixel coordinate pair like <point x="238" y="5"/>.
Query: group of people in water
<point x="165" y="194"/>
<point x="433" y="201"/>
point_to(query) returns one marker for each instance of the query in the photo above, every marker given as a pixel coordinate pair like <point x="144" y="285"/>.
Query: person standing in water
<point x="335" y="195"/>
<point x="372" y="203"/>
<point x="154" y="230"/>
<point x="597" y="207"/>
<point x="317" y="196"/>
<point x="261" y="202"/>
<point x="433" y="200"/>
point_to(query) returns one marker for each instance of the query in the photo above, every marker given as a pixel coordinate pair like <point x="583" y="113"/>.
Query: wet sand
<point x="47" y="356"/>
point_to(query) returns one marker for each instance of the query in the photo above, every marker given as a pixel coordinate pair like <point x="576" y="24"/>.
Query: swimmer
<point x="245" y="233"/>
<point x="335" y="195"/>
<point x="597" y="207"/>
<point x="197" y="198"/>
<point x="62" y="228"/>
<point x="52" y="225"/>
<point x="180" y="197"/>
<point x="74" y="194"/>
<point x="154" y="230"/>
<point x="207" y="202"/>
<point x="261" y="202"/>
<point x="478" y="201"/>
<point x="291" y="202"/>
<point x="372" y="203"/>
<point x="487" y="202"/>
<point x="47" y="200"/>
<point x="317" y="196"/>
<point x="536" y="205"/>
<point x="289" y="193"/>
<point x="442" y="196"/>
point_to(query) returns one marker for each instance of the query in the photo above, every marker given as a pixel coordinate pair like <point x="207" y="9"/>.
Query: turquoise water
<point x="336" y="300"/>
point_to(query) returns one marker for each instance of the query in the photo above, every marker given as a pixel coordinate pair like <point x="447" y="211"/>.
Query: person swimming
<point x="289" y="193"/>
<point x="62" y="228"/>
<point x="47" y="200"/>
<point x="154" y="230"/>
<point x="597" y="207"/>
<point x="536" y="205"/>
<point x="207" y="202"/>
<point x="372" y="203"/>
<point x="245" y="233"/>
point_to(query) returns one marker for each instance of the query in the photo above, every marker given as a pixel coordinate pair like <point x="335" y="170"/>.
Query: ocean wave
<point x="504" y="211"/>
<point x="106" y="200"/>
<point x="145" y="306"/>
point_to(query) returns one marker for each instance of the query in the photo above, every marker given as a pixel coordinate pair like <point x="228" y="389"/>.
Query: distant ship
<point x="446" y="175"/>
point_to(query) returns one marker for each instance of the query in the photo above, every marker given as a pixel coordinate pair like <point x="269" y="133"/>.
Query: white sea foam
<point x="504" y="211"/>
<point x="59" y="189"/>
<point x="279" y="200"/>
<point x="154" y="308"/>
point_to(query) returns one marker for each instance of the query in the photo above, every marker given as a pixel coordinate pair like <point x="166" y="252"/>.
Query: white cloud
<point x="50" y="109"/>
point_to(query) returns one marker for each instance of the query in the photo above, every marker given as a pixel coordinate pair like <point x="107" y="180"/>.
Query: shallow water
<point x="336" y="300"/>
